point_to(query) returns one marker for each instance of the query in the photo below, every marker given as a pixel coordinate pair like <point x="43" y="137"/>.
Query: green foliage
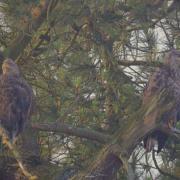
<point x="77" y="73"/>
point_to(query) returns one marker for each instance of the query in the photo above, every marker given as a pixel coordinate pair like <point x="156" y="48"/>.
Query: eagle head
<point x="9" y="67"/>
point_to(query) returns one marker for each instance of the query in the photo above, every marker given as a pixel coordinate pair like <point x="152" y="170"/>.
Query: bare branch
<point x="73" y="131"/>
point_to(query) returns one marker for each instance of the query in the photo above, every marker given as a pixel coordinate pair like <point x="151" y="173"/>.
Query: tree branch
<point x="115" y="154"/>
<point x="140" y="63"/>
<point x="73" y="131"/>
<point x="126" y="139"/>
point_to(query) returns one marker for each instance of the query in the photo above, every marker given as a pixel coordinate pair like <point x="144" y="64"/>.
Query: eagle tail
<point x="156" y="138"/>
<point x="149" y="143"/>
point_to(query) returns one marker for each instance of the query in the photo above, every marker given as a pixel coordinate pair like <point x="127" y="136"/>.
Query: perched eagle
<point x="16" y="100"/>
<point x="165" y="78"/>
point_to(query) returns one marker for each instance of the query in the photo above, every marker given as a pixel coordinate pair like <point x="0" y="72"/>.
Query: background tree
<point x="88" y="63"/>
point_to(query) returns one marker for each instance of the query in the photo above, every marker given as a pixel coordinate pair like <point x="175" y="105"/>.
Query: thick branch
<point x="114" y="155"/>
<point x="73" y="131"/>
<point x="125" y="141"/>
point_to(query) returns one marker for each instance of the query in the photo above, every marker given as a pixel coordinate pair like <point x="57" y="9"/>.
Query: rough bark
<point x="127" y="139"/>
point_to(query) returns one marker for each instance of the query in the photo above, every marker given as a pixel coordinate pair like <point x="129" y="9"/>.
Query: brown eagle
<point x="16" y="100"/>
<point x="165" y="78"/>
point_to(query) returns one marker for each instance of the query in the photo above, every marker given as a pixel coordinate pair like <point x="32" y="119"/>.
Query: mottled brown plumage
<point x="165" y="78"/>
<point x="16" y="99"/>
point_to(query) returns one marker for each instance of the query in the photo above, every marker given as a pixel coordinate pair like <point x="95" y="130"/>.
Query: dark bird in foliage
<point x="165" y="78"/>
<point x="16" y="100"/>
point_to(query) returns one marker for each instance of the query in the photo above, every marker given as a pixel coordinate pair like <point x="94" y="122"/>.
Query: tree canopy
<point x="88" y="62"/>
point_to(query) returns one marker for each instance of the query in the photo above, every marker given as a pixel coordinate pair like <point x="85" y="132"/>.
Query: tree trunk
<point x="116" y="154"/>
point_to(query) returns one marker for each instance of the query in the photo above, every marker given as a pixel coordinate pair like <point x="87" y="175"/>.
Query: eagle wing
<point x="16" y="102"/>
<point x="156" y="83"/>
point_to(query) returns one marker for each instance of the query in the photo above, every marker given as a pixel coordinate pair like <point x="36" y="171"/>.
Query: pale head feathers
<point x="9" y="67"/>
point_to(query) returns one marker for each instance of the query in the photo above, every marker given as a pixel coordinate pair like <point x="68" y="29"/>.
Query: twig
<point x="160" y="170"/>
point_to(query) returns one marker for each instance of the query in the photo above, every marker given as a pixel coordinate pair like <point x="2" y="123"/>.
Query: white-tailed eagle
<point x="165" y="78"/>
<point x="16" y="99"/>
